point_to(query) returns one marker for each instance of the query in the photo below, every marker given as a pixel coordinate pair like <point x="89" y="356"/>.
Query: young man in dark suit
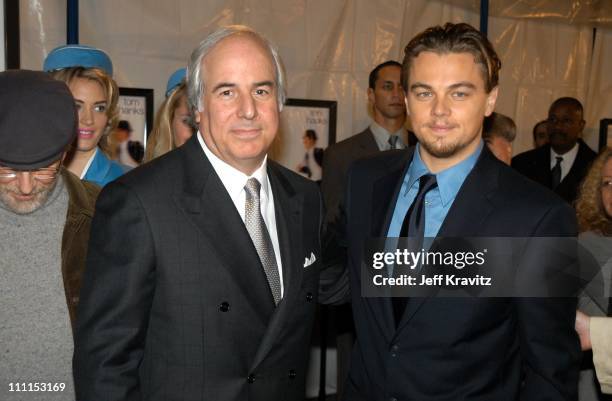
<point x="204" y="263"/>
<point x="563" y="163"/>
<point x="387" y="131"/>
<point x="451" y="185"/>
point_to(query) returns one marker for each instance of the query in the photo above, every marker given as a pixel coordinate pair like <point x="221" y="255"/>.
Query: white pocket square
<point x="309" y="261"/>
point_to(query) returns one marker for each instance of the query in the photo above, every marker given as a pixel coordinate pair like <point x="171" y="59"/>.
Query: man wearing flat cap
<point x="45" y="215"/>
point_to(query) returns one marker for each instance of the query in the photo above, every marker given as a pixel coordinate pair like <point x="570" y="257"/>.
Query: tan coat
<point x="601" y="339"/>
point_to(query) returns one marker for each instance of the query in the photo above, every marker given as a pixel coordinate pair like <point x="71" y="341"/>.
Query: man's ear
<point x="406" y="105"/>
<point x="491" y="101"/>
<point x="371" y="95"/>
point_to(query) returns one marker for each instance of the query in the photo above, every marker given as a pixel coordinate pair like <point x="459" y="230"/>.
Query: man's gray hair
<point x="195" y="84"/>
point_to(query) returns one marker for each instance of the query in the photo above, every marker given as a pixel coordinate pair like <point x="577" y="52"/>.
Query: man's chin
<point x="23" y="207"/>
<point x="441" y="150"/>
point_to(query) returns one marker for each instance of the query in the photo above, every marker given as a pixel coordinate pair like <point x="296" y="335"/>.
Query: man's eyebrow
<point x="466" y="84"/>
<point x="463" y="84"/>
<point x="264" y="83"/>
<point x="419" y="85"/>
<point x="223" y="85"/>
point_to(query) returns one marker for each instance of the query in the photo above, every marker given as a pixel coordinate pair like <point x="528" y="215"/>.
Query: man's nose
<point x="247" y="107"/>
<point x="25" y="182"/>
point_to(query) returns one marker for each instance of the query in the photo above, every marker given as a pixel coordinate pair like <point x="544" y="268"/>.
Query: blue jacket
<point x="103" y="170"/>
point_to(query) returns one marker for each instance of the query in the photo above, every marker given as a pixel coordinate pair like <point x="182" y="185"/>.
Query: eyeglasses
<point x="45" y="174"/>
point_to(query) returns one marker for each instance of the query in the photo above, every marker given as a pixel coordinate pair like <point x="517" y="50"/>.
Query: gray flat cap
<point x="38" y="119"/>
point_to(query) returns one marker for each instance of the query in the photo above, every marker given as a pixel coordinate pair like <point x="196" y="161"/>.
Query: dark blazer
<point x="175" y="304"/>
<point x="336" y="162"/>
<point x="460" y="348"/>
<point x="535" y="164"/>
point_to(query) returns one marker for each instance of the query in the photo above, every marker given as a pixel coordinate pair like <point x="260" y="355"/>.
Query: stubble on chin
<point x="440" y="148"/>
<point x="25" y="207"/>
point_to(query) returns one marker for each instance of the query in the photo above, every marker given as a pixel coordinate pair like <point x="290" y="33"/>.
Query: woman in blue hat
<point x="88" y="73"/>
<point x="173" y="124"/>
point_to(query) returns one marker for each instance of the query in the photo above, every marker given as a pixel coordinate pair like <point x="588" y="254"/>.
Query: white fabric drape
<point x="330" y="46"/>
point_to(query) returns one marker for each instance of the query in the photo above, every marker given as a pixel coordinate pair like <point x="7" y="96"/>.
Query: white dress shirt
<point x="234" y="181"/>
<point x="567" y="162"/>
<point x="381" y="136"/>
<point x="88" y="164"/>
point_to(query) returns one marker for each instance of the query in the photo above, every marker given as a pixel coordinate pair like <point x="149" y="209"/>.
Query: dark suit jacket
<point x="336" y="162"/>
<point x="535" y="164"/>
<point x="460" y="348"/>
<point x="175" y="304"/>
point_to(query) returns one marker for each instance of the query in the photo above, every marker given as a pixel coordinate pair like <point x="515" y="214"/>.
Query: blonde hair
<point x="589" y="207"/>
<point x="111" y="92"/>
<point x="161" y="139"/>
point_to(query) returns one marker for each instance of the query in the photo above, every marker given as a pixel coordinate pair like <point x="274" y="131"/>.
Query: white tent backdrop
<point x="329" y="46"/>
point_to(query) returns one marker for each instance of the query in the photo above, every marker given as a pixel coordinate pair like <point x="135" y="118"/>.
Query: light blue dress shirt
<point x="438" y="200"/>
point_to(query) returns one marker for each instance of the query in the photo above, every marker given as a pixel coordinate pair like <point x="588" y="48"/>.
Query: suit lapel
<point x="472" y="205"/>
<point x="581" y="162"/>
<point x="469" y="211"/>
<point x="288" y="207"/>
<point x="542" y="172"/>
<point x="385" y="193"/>
<point x="209" y="207"/>
<point x="368" y="143"/>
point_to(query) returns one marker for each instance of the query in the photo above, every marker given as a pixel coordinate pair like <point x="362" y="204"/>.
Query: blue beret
<point x="175" y="80"/>
<point x="78" y="56"/>
<point x="37" y="119"/>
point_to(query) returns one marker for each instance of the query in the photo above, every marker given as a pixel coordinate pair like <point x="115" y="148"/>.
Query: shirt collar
<point x="449" y="180"/>
<point x="381" y="135"/>
<point x="88" y="164"/>
<point x="233" y="179"/>
<point x="568" y="157"/>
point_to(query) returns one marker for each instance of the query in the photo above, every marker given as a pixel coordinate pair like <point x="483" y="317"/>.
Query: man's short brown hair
<point x="500" y="125"/>
<point x="455" y="38"/>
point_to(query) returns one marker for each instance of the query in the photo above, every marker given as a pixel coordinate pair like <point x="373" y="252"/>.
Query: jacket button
<point x="224" y="307"/>
<point x="251" y="379"/>
<point x="309" y="297"/>
<point x="292" y="374"/>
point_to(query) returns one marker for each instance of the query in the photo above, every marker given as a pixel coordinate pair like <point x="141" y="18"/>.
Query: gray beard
<point x="25" y="207"/>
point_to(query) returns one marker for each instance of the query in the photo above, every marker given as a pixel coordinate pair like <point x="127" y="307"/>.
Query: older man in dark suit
<point x="450" y="185"/>
<point x="204" y="263"/>
<point x="563" y="163"/>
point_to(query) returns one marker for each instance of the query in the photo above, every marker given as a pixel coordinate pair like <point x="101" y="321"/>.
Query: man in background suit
<point x="203" y="265"/>
<point x="387" y="131"/>
<point x="451" y="185"/>
<point x="562" y="164"/>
